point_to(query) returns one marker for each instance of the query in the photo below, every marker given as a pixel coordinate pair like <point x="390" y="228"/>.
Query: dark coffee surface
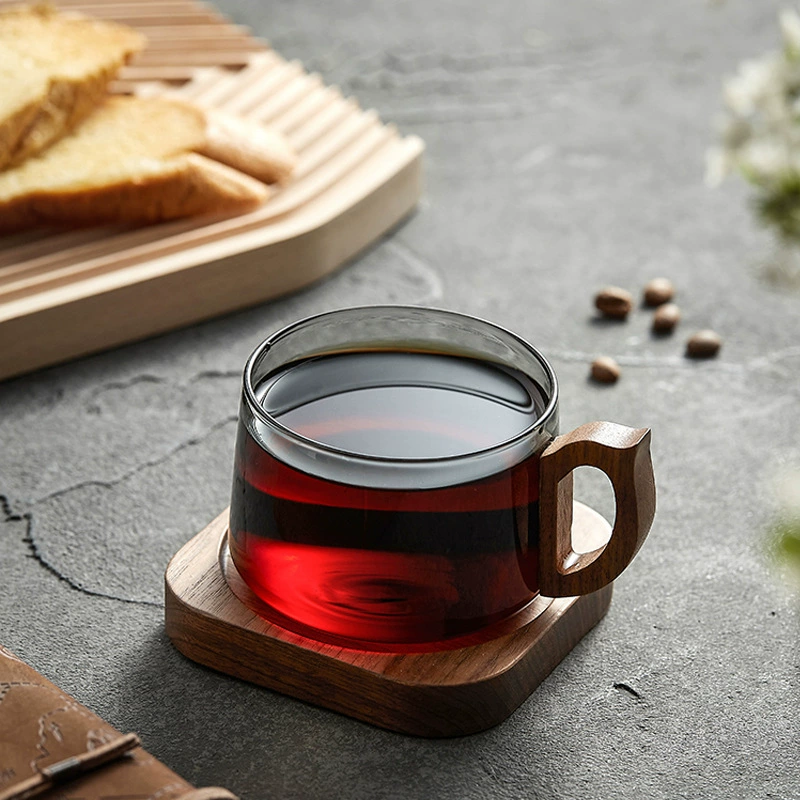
<point x="565" y="146"/>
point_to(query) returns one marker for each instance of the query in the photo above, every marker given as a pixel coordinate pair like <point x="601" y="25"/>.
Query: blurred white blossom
<point x="718" y="165"/>
<point x="751" y="86"/>
<point x="788" y="493"/>
<point x="790" y="30"/>
<point x="760" y="133"/>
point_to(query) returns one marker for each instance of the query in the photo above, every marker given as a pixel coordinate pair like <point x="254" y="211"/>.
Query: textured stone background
<point x="565" y="151"/>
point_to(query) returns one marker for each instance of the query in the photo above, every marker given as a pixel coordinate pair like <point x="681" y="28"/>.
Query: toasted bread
<point x="249" y="147"/>
<point x="133" y="160"/>
<point x="54" y="70"/>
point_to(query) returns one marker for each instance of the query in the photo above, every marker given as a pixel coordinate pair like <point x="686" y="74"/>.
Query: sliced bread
<point x="54" y="70"/>
<point x="248" y="146"/>
<point x="133" y="160"/>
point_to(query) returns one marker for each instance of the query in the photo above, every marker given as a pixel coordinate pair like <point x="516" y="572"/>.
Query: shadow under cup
<point x="386" y="478"/>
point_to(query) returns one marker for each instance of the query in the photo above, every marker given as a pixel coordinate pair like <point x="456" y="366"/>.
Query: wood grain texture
<point x="66" y="293"/>
<point x="471" y="684"/>
<point x="624" y="455"/>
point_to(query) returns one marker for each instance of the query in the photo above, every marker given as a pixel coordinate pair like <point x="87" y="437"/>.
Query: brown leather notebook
<point x="52" y="747"/>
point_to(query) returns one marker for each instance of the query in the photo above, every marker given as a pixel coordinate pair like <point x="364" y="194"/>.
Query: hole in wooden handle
<point x="624" y="455"/>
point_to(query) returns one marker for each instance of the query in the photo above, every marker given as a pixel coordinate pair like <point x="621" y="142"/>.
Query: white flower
<point x="790" y="30"/>
<point x="718" y="166"/>
<point x="764" y="161"/>
<point x="760" y="137"/>
<point x="788" y="491"/>
<point x="746" y="91"/>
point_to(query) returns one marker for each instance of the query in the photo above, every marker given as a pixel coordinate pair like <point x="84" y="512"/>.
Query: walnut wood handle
<point x="624" y="455"/>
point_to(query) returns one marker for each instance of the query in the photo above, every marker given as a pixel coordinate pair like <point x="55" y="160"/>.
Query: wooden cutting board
<point x="67" y="294"/>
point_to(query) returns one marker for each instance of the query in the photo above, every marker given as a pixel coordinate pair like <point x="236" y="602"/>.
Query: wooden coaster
<point x="466" y="686"/>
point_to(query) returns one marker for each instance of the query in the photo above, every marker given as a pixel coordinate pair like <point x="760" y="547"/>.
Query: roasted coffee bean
<point x="614" y="302"/>
<point x="605" y="370"/>
<point x="703" y="344"/>
<point x="658" y="291"/>
<point x="666" y="318"/>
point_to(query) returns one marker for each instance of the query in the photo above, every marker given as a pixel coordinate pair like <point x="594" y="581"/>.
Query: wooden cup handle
<point x="624" y="455"/>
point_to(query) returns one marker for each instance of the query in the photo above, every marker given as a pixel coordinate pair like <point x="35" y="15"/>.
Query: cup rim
<point x="265" y="417"/>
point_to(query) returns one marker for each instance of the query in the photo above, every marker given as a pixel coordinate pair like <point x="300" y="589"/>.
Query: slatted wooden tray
<point x="66" y="294"/>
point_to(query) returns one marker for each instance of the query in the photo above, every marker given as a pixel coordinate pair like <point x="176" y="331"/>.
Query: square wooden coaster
<point x="471" y="684"/>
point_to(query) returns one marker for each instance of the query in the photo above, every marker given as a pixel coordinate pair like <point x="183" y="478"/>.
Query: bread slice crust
<point x="248" y="146"/>
<point x="133" y="160"/>
<point x="181" y="186"/>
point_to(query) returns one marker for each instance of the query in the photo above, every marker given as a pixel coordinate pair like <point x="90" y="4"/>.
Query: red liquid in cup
<point x="390" y="565"/>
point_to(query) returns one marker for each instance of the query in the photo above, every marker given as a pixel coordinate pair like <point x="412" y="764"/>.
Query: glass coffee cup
<point x="399" y="479"/>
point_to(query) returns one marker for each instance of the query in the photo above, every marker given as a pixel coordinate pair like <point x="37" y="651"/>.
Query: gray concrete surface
<point x="565" y="151"/>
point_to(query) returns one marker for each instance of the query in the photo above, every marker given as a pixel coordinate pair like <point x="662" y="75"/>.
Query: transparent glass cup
<point x="399" y="478"/>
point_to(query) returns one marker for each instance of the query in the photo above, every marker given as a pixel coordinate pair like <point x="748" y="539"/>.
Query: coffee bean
<point x="666" y="318"/>
<point x="605" y="370"/>
<point x="658" y="291"/>
<point x="614" y="302"/>
<point x="703" y="344"/>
